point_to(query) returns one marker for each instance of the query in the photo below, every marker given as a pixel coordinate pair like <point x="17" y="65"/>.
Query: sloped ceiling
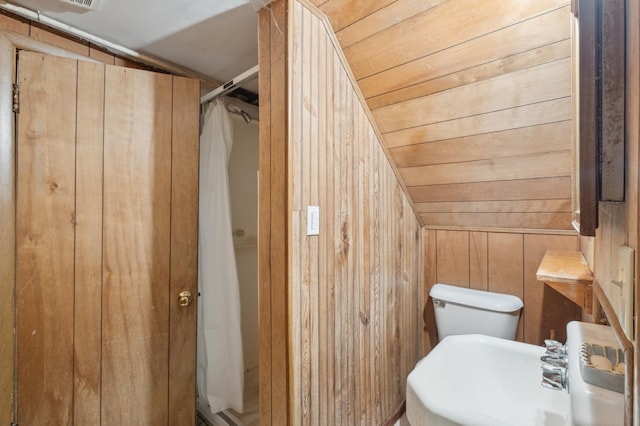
<point x="473" y="100"/>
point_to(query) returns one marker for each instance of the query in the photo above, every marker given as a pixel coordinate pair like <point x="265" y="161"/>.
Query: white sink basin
<point x="482" y="380"/>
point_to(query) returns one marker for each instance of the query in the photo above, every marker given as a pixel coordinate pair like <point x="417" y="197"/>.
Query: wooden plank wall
<point x="355" y="288"/>
<point x="473" y="100"/>
<point x="504" y="263"/>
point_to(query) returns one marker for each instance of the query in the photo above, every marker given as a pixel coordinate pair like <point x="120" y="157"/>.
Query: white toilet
<point x="460" y="311"/>
<point x="466" y="311"/>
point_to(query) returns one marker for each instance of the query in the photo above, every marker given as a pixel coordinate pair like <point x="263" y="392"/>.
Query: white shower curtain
<point x="220" y="360"/>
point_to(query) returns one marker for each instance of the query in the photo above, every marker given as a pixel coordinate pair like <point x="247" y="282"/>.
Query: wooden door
<point x="107" y="170"/>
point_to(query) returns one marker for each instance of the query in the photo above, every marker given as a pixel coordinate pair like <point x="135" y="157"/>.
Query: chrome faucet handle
<point x="555" y="347"/>
<point x="555" y="360"/>
<point x="554" y="377"/>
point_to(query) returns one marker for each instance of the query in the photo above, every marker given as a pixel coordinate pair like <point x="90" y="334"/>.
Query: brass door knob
<point x="184" y="298"/>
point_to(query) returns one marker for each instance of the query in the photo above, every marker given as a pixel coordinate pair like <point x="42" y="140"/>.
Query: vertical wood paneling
<point x="88" y="244"/>
<point x="324" y="299"/>
<point x="136" y="266"/>
<point x="45" y="239"/>
<point x="453" y="257"/>
<point x="364" y="268"/>
<point x="374" y="320"/>
<point x="503" y="263"/>
<point x="356" y="286"/>
<point x="328" y="243"/>
<point x="185" y="144"/>
<point x="505" y="267"/>
<point x="338" y="233"/>
<point x="478" y="262"/>
<point x="429" y="338"/>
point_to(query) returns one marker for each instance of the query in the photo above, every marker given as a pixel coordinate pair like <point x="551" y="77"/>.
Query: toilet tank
<point x="466" y="311"/>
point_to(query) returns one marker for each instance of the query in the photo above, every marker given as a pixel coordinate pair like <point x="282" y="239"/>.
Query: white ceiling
<point x="216" y="38"/>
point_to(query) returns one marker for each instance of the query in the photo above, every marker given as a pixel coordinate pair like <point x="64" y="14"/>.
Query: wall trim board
<point x="356" y="88"/>
<point x="397" y="414"/>
<point x="569" y="232"/>
<point x="274" y="337"/>
<point x="23" y="42"/>
<point x="7" y="230"/>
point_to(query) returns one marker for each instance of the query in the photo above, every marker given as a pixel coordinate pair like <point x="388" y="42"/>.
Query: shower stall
<point x="228" y="264"/>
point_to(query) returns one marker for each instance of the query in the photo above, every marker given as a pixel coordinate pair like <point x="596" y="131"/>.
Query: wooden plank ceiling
<point x="473" y="101"/>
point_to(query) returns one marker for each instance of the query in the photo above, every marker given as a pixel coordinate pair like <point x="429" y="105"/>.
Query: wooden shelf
<point x="567" y="272"/>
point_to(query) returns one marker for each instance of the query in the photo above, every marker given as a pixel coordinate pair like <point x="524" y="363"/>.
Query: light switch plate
<point x="626" y="261"/>
<point x="313" y="220"/>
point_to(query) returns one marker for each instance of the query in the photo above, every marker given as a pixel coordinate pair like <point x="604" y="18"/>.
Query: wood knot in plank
<point x="345" y="239"/>
<point x="364" y="317"/>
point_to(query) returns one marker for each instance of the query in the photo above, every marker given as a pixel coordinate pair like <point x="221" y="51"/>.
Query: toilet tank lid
<point x="477" y="298"/>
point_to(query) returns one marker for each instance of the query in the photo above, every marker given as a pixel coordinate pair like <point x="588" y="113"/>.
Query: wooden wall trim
<point x="505" y="230"/>
<point x="633" y="160"/>
<point x="27" y="43"/>
<point x="273" y="261"/>
<point x="7" y="231"/>
<point x="356" y="88"/>
<point x="397" y="414"/>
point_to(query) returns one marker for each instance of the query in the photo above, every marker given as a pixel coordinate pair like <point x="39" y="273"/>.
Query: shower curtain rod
<point x="230" y="85"/>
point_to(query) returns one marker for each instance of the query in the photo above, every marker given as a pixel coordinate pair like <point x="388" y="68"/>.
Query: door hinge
<point x="16" y="98"/>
